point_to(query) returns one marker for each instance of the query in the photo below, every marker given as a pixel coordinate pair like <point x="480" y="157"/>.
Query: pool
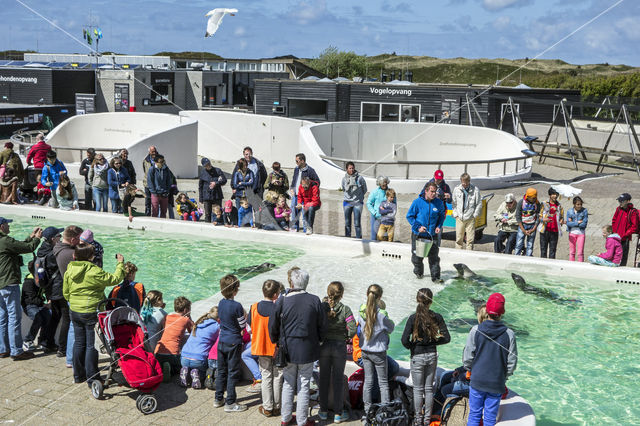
<point x="577" y="360"/>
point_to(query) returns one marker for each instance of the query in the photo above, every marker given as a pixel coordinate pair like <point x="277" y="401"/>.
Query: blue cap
<point x="205" y="161"/>
<point x="51" y="232"/>
<point x="3" y="220"/>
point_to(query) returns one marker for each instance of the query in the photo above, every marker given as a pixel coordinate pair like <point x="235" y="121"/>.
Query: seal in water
<point x="467" y="274"/>
<point x="542" y="292"/>
<point x="255" y="269"/>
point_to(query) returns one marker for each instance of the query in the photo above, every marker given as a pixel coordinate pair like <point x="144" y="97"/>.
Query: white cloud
<point x="629" y="27"/>
<point x="309" y="11"/>
<point x="502" y="23"/>
<point x="240" y="31"/>
<point x="494" y="5"/>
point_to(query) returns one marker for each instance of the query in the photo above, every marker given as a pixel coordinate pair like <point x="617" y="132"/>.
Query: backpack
<point x="455" y="411"/>
<point x="401" y="392"/>
<point x="41" y="276"/>
<point x="131" y="292"/>
<point x="387" y="414"/>
<point x="356" y="385"/>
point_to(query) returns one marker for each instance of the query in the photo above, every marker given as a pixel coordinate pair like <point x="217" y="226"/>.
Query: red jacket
<point x="310" y="196"/>
<point x="625" y="222"/>
<point x="38" y="153"/>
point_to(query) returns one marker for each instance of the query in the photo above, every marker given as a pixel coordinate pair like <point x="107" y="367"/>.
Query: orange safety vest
<point x="138" y="287"/>
<point x="357" y="352"/>
<point x="261" y="344"/>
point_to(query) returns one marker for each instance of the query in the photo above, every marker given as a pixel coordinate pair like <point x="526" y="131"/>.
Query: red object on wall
<point x="132" y="109"/>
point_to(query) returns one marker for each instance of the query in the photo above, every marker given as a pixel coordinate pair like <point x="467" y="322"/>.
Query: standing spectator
<point x="466" y="206"/>
<point x="277" y="182"/>
<point x="577" y="220"/>
<point x="10" y="159"/>
<point x="491" y="355"/>
<point x="128" y="165"/>
<point x="302" y="169"/>
<point x="147" y="164"/>
<point x="9" y="185"/>
<point x="443" y="192"/>
<point x="38" y="152"/>
<point x="257" y="168"/>
<point x="244" y="180"/>
<point x="388" y="210"/>
<point x="354" y="187"/>
<point x="53" y="284"/>
<point x="377" y="197"/>
<point x="85" y="166"/>
<point x="528" y="218"/>
<point x="32" y="302"/>
<point x="159" y="180"/>
<point x="507" y="224"/>
<point x="67" y="194"/>
<point x="298" y="324"/>
<point x="309" y="202"/>
<point x="117" y="179"/>
<point x="10" y="279"/>
<point x="210" y="187"/>
<point x="625" y="223"/>
<point x="613" y="255"/>
<point x="86" y="238"/>
<point x="426" y="216"/>
<point x="552" y="219"/>
<point x="51" y="175"/>
<point x="98" y="176"/>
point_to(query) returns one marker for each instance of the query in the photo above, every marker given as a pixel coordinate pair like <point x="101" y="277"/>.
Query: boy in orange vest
<point x="264" y="348"/>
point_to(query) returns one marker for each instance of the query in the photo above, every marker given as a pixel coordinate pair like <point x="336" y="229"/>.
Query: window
<point x="370" y="112"/>
<point x="210" y="95"/>
<point x="161" y="93"/>
<point x="309" y="109"/>
<point x="373" y="111"/>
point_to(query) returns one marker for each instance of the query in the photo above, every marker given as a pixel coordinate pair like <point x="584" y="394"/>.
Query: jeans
<point x="468" y="228"/>
<point x="171" y="207"/>
<point x="191" y="364"/>
<point x="374" y="363"/>
<point x="147" y="201"/>
<point x="597" y="260"/>
<point x="116" y="205"/>
<point x="71" y="338"/>
<point x="434" y="260"/>
<point x="500" y="247"/>
<point x="85" y="355"/>
<point x="295" y="213"/>
<point x="296" y="376"/>
<point x="159" y="204"/>
<point x="375" y="224"/>
<point x="520" y="242"/>
<point x="480" y="401"/>
<point x="228" y="371"/>
<point x="576" y="247"/>
<point x="625" y="252"/>
<point x="392" y="370"/>
<point x="101" y="197"/>
<point x="356" y="211"/>
<point x="10" y="320"/>
<point x="59" y="314"/>
<point x="548" y="240"/>
<point x="271" y="383"/>
<point x="423" y="372"/>
<point x="309" y="216"/>
<point x="88" y="197"/>
<point x="251" y="362"/>
<point x="333" y="357"/>
<point x="40" y="317"/>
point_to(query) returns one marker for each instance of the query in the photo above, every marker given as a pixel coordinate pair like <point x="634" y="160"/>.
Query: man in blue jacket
<point x="426" y="216"/>
<point x="51" y="172"/>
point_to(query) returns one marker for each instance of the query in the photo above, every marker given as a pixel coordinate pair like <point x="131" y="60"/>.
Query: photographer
<point x="277" y="183"/>
<point x="159" y="180"/>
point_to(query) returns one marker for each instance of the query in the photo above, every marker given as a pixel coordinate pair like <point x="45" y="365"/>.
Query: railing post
<point x="488" y="169"/>
<point x="407" y="175"/>
<point x="504" y="169"/>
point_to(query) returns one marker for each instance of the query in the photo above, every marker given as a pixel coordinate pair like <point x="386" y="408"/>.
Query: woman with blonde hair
<point x="195" y="353"/>
<point x="375" y="328"/>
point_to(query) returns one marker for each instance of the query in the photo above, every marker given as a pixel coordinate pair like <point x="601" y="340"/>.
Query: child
<point x="374" y="342"/>
<point x="186" y="208"/>
<point x="264" y="348"/>
<point x="218" y="219"/>
<point x="173" y="337"/>
<point x="282" y="212"/>
<point x="212" y="362"/>
<point x="67" y="194"/>
<point x="232" y="322"/>
<point x="33" y="305"/>
<point x="613" y="255"/>
<point x="129" y="290"/>
<point x="127" y="202"/>
<point x="552" y="217"/>
<point x="44" y="193"/>
<point x="388" y="210"/>
<point x="491" y="355"/>
<point x="341" y="326"/>
<point x="196" y="351"/>
<point x="153" y="316"/>
<point x="230" y="214"/>
<point x="98" y="251"/>
<point x="245" y="213"/>
<point x="251" y="362"/>
<point x="577" y="219"/>
<point x="424" y="331"/>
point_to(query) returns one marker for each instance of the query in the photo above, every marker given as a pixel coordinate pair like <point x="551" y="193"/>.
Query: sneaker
<point x="234" y="408"/>
<point x="292" y="421"/>
<point x="184" y="377"/>
<point x="166" y="372"/>
<point x="5" y="354"/>
<point x="323" y="415"/>
<point x="28" y="346"/>
<point x="265" y="412"/>
<point x="276" y="412"/>
<point x="218" y="404"/>
<point x="438" y="281"/>
<point x="340" y="418"/>
<point x="209" y="381"/>
<point x="309" y="231"/>
<point x="195" y="379"/>
<point x="69" y="365"/>
<point x="255" y="387"/>
<point x="50" y="349"/>
<point x="61" y="354"/>
<point x="23" y="356"/>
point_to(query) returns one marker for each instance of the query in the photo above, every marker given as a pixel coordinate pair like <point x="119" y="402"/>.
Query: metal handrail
<point x="24" y="146"/>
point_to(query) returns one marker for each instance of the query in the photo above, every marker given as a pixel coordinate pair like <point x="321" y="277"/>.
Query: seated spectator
<point x="43" y="193"/>
<point x="51" y="172"/>
<point x="613" y="255"/>
<point x="309" y="202"/>
<point x="195" y="352"/>
<point x="507" y="224"/>
<point x="217" y="217"/>
<point x="187" y="209"/>
<point x="230" y="214"/>
<point x="388" y="209"/>
<point x="153" y="315"/>
<point x="38" y="152"/>
<point x="245" y="213"/>
<point x="277" y="184"/>
<point x="282" y="213"/>
<point x="176" y="326"/>
<point x="32" y="301"/>
<point x="67" y="194"/>
<point x="9" y="183"/>
<point x="129" y="290"/>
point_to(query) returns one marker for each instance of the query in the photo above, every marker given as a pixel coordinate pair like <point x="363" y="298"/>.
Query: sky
<point x="510" y="29"/>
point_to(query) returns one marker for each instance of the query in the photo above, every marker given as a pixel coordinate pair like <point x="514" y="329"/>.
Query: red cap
<point x="439" y="174"/>
<point x="228" y="206"/>
<point x="495" y="304"/>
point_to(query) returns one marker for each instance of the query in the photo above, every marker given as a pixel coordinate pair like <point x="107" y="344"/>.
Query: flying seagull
<point x="215" y="19"/>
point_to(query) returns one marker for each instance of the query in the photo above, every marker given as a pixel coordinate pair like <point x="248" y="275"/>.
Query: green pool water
<point x="577" y="362"/>
<point x="189" y="267"/>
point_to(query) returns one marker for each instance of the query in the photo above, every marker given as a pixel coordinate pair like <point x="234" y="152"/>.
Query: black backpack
<point x="40" y="274"/>
<point x="388" y="414"/>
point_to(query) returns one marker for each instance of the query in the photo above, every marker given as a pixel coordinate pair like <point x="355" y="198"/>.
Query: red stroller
<point x="124" y="337"/>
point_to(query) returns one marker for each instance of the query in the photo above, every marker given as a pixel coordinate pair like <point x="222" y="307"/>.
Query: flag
<point x="84" y="33"/>
<point x="89" y="39"/>
<point x="99" y="33"/>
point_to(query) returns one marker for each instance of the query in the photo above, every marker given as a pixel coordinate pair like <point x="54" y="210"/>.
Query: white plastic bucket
<point x="423" y="246"/>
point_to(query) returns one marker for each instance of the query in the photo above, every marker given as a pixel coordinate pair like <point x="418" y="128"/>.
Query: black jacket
<point x="53" y="291"/>
<point x="31" y="293"/>
<point x="206" y="177"/>
<point x="304" y="325"/>
<point x="85" y="165"/>
<point x="424" y="345"/>
<point x="306" y="172"/>
<point x="128" y="165"/>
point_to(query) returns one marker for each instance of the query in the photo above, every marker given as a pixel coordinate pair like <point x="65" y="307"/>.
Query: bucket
<point x="423" y="246"/>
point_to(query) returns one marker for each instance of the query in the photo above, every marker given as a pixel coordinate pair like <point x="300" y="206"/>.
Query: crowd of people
<point x="281" y="338"/>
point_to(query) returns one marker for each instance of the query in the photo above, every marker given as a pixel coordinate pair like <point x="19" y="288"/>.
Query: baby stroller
<point x="124" y="337"/>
